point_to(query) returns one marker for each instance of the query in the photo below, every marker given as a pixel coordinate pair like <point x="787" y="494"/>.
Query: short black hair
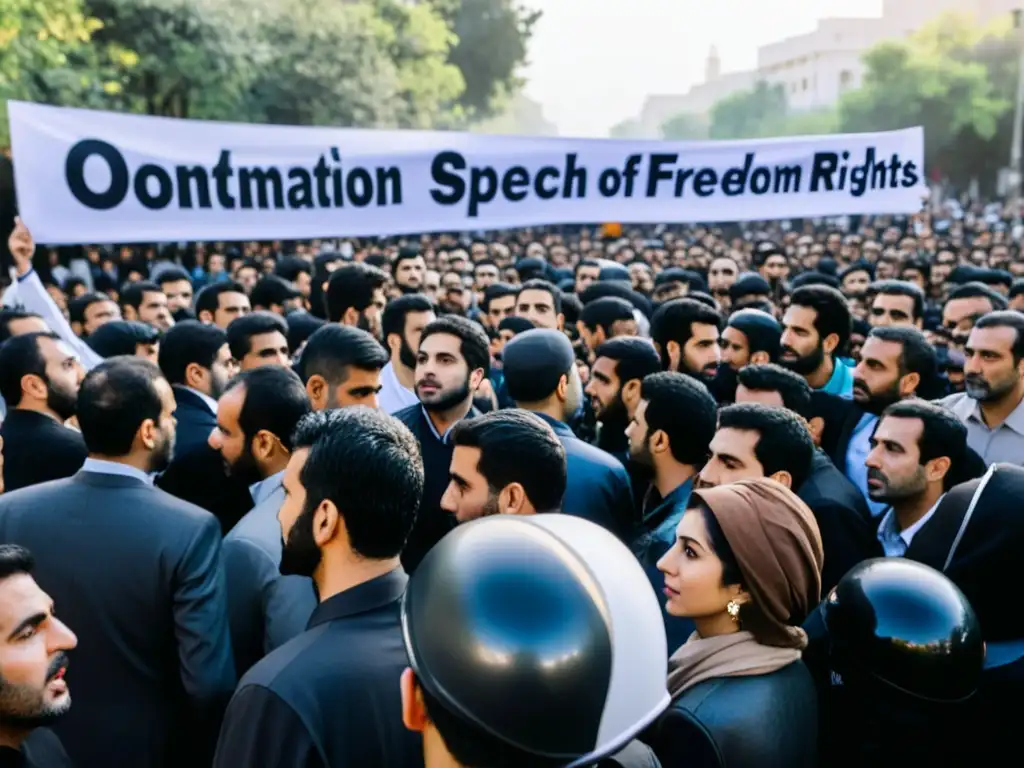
<point x="393" y="317"/>
<point x="120" y="337"/>
<point x="899" y="288"/>
<point x="1017" y="288"/>
<point x="275" y="401"/>
<point x="301" y="325"/>
<point x="536" y="284"/>
<point x="975" y="290"/>
<point x="832" y="313"/>
<point x="171" y="275"/>
<point x="475" y="347"/>
<point x="784" y="443"/>
<point x="9" y="315"/>
<point x="270" y="290"/>
<point x="208" y="299"/>
<point x="15" y="560"/>
<point x="634" y="357"/>
<point x="290" y="268"/>
<point x="352" y="285"/>
<point x="369" y="465"/>
<point x="186" y="343"/>
<point x="603" y="313"/>
<point x="115" y="398"/>
<point x="942" y="434"/>
<point x="78" y="306"/>
<point x="132" y="294"/>
<point x="20" y="356"/>
<point x="497" y="291"/>
<point x="517" y="446"/>
<point x="792" y="387"/>
<point x="405" y="254"/>
<point x="917" y="356"/>
<point x="674" y="320"/>
<point x="683" y="409"/>
<point x="332" y="349"/>
<point x="1006" y="319"/>
<point x="241" y="330"/>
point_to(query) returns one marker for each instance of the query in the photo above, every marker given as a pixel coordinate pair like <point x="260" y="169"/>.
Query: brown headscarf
<point x="778" y="548"/>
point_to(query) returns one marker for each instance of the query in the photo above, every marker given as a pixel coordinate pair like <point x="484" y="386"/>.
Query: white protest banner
<point x="85" y="176"/>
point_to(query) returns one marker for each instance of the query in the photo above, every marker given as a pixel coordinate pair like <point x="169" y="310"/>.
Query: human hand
<point x="21" y="246"/>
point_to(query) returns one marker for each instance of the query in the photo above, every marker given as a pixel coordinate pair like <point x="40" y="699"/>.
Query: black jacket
<point x="38" y="449"/>
<point x="432" y="522"/>
<point x="196" y="473"/>
<point x="136" y="574"/>
<point x="756" y="721"/>
<point x="330" y="697"/>
<point x="848" y="535"/>
<point x="41" y="749"/>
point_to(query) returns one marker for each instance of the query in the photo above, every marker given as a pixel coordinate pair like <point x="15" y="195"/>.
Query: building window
<point x="845" y="78"/>
<point x="805" y="84"/>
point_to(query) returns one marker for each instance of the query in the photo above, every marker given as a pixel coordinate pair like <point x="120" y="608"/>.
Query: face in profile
<point x="300" y="555"/>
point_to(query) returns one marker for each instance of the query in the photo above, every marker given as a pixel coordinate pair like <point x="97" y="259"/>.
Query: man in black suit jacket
<point x="196" y="360"/>
<point x="137" y="573"/>
<point x="39" y="380"/>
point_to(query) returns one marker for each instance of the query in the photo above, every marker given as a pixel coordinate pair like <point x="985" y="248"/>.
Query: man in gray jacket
<point x="256" y="416"/>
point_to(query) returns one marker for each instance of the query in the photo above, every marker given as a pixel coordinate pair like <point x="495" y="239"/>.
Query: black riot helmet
<point x="906" y="626"/>
<point x="535" y="641"/>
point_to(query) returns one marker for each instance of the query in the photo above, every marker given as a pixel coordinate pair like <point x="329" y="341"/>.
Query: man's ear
<point x="351" y="317"/>
<point x="414" y="713"/>
<point x="513" y="500"/>
<point x="909" y="384"/>
<point x="316" y="388"/>
<point x="937" y="468"/>
<point x="560" y="319"/>
<point x="817" y="427"/>
<point x="783" y="478"/>
<point x="830" y="342"/>
<point x="760" y="358"/>
<point x="206" y="316"/>
<point x="34" y="386"/>
<point x="631" y="393"/>
<point x="195" y="376"/>
<point x="128" y="312"/>
<point x="263" y="445"/>
<point x="675" y="355"/>
<point x="327" y="523"/>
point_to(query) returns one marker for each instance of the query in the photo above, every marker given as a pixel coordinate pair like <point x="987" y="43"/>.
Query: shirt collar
<point x="659" y="508"/>
<point x="264" y="488"/>
<point x="104" y="467"/>
<point x="210" y="402"/>
<point x="433" y="430"/>
<point x="560" y="427"/>
<point x="887" y="531"/>
<point x="368" y="596"/>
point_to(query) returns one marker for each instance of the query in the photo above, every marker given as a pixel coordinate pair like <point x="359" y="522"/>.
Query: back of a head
<point x="271" y="290"/>
<point x="351" y="286"/>
<point x="605" y="312"/>
<point x="635" y="357"/>
<point x="186" y="343"/>
<point x="275" y="401"/>
<point x="784" y="443"/>
<point x="899" y="626"/>
<point x="19" y="357"/>
<point x="120" y="337"/>
<point x="793" y="388"/>
<point x="534" y="362"/>
<point x="115" y="398"/>
<point x="517" y="446"/>
<point x="301" y="325"/>
<point x="333" y="349"/>
<point x="580" y="591"/>
<point x="763" y="331"/>
<point x="673" y="321"/>
<point x="685" y="410"/>
<point x="369" y="465"/>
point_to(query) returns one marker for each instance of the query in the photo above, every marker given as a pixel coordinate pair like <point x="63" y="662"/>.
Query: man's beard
<point x="61" y="401"/>
<point x="23" y="707"/>
<point x="876" y="402"/>
<point x="644" y="455"/>
<point x="613" y="420"/>
<point x="447" y="401"/>
<point x="244" y="469"/>
<point x="804" y="365"/>
<point x="218" y="383"/>
<point x="161" y="456"/>
<point x="300" y="556"/>
<point x="406" y="355"/>
<point x="985" y="392"/>
<point x="915" y="486"/>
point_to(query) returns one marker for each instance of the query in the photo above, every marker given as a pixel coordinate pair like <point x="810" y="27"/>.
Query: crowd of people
<point x="680" y="496"/>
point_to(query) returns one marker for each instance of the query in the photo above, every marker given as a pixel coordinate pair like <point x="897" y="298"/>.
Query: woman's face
<point x="693" y="572"/>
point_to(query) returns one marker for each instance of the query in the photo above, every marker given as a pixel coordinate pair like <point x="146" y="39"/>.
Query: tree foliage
<point x="685" y="126"/>
<point x="952" y="77"/>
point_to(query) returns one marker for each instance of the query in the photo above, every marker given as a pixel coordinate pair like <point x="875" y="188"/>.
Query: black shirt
<point x="42" y="749"/>
<point x="38" y="449"/>
<point x="331" y="696"/>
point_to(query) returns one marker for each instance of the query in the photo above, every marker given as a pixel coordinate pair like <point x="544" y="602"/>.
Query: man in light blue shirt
<point x="816" y="330"/>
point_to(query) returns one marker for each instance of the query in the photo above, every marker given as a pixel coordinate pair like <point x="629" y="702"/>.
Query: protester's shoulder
<point x="410" y="415"/>
<point x="284" y="669"/>
<point x="952" y="402"/>
<point x="182" y="513"/>
<point x="40" y="493"/>
<point x="581" y="449"/>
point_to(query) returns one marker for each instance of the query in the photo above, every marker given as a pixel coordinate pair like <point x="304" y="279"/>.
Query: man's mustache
<point x="60" y="661"/>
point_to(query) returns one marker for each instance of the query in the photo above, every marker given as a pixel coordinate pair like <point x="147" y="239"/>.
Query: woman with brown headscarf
<point x="746" y="567"/>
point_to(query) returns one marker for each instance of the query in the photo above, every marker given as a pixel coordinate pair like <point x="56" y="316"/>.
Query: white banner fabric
<point x="100" y="177"/>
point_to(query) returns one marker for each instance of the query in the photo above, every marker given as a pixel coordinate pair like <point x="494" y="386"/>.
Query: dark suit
<point x="136" y="574"/>
<point x="41" y="749"/>
<point x="38" y="449"/>
<point x="266" y="609"/>
<point x="847" y="532"/>
<point x="597" y="485"/>
<point x="432" y="522"/>
<point x="196" y="473"/>
<point x="330" y="697"/>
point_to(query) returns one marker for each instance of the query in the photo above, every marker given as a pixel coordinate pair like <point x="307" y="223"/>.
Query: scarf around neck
<point x="734" y="655"/>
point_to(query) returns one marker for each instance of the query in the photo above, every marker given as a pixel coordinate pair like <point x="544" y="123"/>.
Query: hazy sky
<point x="593" y="62"/>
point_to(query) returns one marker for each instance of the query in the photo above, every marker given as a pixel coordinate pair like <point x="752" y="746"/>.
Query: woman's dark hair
<point x="731" y="573"/>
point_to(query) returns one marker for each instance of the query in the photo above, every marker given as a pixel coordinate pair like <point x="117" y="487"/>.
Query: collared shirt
<point x="443" y="439"/>
<point x="841" y="381"/>
<point x="896" y="542"/>
<point x="393" y="397"/>
<point x="262" y="490"/>
<point x="207" y="400"/>
<point x="1005" y="443"/>
<point x="856" y="456"/>
<point x="103" y="467"/>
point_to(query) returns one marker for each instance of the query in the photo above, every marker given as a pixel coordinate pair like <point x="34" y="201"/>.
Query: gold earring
<point x="733" y="609"/>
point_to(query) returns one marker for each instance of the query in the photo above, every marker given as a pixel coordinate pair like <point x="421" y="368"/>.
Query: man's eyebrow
<point x="32" y="621"/>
